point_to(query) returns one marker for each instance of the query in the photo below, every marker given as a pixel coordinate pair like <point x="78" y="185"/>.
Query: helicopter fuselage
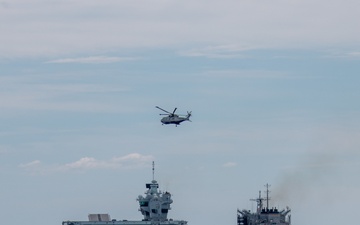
<point x="173" y="119"/>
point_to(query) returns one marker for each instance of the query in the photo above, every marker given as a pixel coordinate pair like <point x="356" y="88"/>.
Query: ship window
<point x="164" y="210"/>
<point x="154" y="211"/>
<point x="144" y="203"/>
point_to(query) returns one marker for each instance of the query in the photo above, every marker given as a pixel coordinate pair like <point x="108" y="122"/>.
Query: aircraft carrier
<point x="264" y="215"/>
<point x="154" y="206"/>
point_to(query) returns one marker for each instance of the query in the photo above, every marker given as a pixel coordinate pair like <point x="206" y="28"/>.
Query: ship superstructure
<point x="264" y="215"/>
<point x="154" y="206"/>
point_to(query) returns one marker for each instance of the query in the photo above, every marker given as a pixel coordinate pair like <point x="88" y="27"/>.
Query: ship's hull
<point x="124" y="222"/>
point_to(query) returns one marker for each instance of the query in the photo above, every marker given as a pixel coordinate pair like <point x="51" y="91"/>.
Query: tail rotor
<point x="188" y="116"/>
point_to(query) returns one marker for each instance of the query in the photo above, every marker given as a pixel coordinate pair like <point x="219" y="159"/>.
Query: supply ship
<point x="264" y="215"/>
<point x="154" y="207"/>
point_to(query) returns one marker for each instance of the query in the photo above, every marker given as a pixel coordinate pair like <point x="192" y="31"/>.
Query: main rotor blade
<point x="174" y="110"/>
<point x="162" y="109"/>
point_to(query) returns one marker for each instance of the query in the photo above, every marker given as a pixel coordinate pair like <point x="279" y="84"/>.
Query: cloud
<point x="351" y="55"/>
<point x="35" y="28"/>
<point x="130" y="161"/>
<point x="3" y="149"/>
<point x="220" y="51"/>
<point x="354" y="55"/>
<point x="229" y="164"/>
<point x="4" y="5"/>
<point x="256" y="74"/>
<point x="92" y="59"/>
<point x="34" y="167"/>
<point x="26" y="93"/>
<point x="31" y="164"/>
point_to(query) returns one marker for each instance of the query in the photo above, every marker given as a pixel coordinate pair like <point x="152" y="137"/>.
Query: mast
<point x="259" y="202"/>
<point x="267" y="195"/>
<point x="153" y="170"/>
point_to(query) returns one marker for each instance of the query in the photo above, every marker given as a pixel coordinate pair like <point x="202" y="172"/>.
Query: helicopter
<point x="173" y="118"/>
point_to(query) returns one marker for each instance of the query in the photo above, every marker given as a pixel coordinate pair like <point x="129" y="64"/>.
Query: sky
<point x="272" y="86"/>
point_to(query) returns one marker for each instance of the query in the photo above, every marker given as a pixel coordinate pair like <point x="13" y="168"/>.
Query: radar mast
<point x="153" y="170"/>
<point x="267" y="195"/>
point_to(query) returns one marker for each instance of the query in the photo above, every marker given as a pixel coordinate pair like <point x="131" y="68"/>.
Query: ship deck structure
<point x="264" y="215"/>
<point x="154" y="207"/>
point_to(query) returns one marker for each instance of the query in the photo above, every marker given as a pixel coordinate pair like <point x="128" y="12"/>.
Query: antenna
<point x="267" y="195"/>
<point x="153" y="170"/>
<point x="259" y="202"/>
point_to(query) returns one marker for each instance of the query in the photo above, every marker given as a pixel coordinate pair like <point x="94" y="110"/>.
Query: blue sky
<point x="273" y="87"/>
